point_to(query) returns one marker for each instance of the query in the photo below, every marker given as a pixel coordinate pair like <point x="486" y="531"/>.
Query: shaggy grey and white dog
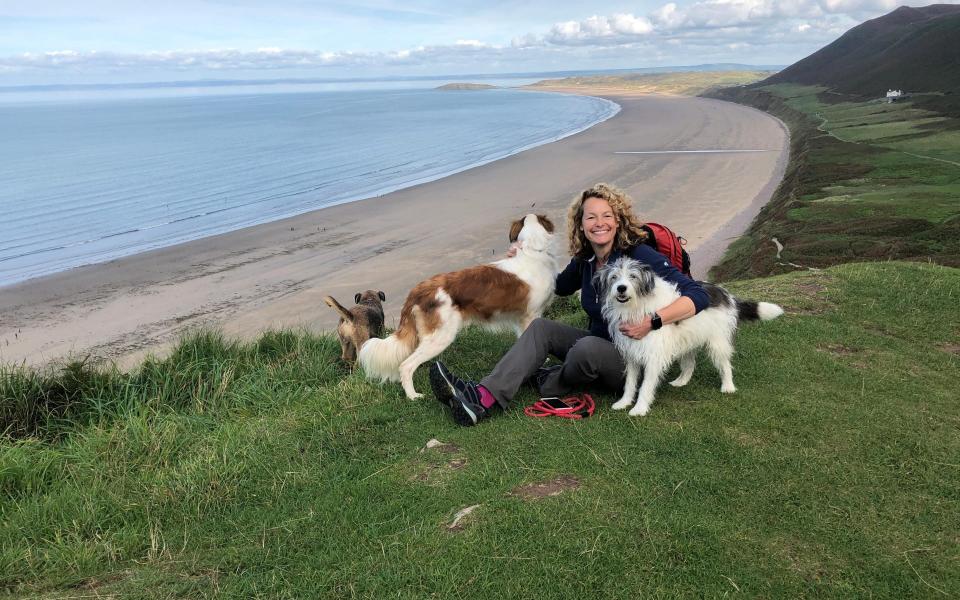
<point x="631" y="291"/>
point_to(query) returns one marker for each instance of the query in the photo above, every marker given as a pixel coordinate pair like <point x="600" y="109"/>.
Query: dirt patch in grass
<point x="95" y="583"/>
<point x="838" y="350"/>
<point x="951" y="347"/>
<point x="810" y="289"/>
<point x="805" y="295"/>
<point x="879" y="330"/>
<point x="744" y="439"/>
<point x="438" y="446"/>
<point x="545" y="489"/>
<point x="804" y="562"/>
<point x="809" y="300"/>
<point x="434" y="472"/>
<point x="436" y="466"/>
<point x="448" y="448"/>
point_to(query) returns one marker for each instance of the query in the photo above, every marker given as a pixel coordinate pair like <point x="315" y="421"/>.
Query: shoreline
<point x="612" y="108"/>
<point x="274" y="275"/>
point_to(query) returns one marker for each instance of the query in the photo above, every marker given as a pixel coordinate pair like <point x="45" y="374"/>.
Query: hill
<point x="466" y="86"/>
<point x="866" y="181"/>
<point x="913" y="49"/>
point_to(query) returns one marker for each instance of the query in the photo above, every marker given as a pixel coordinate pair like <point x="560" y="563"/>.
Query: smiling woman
<point x="601" y="227"/>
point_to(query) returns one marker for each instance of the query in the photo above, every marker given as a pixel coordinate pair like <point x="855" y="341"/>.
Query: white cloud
<point x="667" y="16"/>
<point x="677" y="31"/>
<point x="229" y="59"/>
<point x="597" y="30"/>
<point x="858" y="7"/>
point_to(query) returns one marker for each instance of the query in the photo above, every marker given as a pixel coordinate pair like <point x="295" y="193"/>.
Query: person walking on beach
<point x="601" y="227"/>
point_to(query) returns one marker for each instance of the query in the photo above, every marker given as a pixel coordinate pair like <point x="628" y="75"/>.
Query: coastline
<point x="275" y="274"/>
<point x="605" y="109"/>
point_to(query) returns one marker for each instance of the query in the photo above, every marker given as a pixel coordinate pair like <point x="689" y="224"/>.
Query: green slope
<point x="866" y="181"/>
<point x="265" y="470"/>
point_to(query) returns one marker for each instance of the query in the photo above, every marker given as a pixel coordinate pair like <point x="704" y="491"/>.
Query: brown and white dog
<point x="509" y="293"/>
<point x="360" y="323"/>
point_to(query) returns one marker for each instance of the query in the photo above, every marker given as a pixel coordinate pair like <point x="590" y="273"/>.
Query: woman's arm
<point x="693" y="298"/>
<point x="569" y="280"/>
<point x="678" y="310"/>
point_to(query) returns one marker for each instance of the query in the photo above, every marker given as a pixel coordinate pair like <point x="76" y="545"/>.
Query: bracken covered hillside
<point x="913" y="49"/>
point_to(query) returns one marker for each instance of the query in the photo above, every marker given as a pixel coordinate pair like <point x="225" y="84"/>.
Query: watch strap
<point x="655" y="322"/>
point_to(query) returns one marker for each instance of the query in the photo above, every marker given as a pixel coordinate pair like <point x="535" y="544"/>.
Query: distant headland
<point x="467" y="86"/>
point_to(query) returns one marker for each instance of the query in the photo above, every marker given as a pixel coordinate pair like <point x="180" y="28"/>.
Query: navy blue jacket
<point x="578" y="275"/>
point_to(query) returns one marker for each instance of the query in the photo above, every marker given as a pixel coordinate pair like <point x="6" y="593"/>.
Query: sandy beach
<point x="275" y="275"/>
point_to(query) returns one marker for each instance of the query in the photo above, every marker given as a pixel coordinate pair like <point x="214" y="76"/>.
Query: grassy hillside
<point x="269" y="470"/>
<point x="913" y="49"/>
<point x="683" y="83"/>
<point x="866" y="181"/>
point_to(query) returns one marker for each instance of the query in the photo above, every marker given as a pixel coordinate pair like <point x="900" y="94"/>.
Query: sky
<point x="118" y="41"/>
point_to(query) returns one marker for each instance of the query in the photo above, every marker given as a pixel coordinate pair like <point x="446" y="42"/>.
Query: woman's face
<point x="599" y="223"/>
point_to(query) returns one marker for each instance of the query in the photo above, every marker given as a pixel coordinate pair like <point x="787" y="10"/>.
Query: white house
<point x="894" y="95"/>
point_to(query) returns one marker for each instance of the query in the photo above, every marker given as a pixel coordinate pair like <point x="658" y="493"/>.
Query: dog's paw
<point x="622" y="403"/>
<point x="727" y="389"/>
<point x="639" y="410"/>
<point x="679" y="382"/>
<point x="416" y="396"/>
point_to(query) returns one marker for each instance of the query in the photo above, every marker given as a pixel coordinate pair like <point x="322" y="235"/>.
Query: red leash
<point x="580" y="406"/>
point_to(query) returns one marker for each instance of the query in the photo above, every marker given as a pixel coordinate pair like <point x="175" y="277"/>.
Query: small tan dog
<point x="360" y="323"/>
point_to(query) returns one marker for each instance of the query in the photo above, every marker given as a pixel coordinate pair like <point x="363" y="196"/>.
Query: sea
<point x="87" y="177"/>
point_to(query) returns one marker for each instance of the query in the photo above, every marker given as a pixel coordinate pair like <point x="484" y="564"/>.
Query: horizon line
<point x="38" y="87"/>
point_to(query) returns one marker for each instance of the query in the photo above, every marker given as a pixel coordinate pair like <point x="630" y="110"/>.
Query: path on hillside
<point x="822" y="128"/>
<point x="275" y="275"/>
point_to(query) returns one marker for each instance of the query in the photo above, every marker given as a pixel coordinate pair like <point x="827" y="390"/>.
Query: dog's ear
<point x="546" y="223"/>
<point x="356" y="298"/>
<point x="515" y="228"/>
<point x="383" y="297"/>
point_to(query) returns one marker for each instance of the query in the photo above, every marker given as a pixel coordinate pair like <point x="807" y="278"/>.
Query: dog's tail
<point x="757" y="311"/>
<point x="381" y="357"/>
<point x="332" y="303"/>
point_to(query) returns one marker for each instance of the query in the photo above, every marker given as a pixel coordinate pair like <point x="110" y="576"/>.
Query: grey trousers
<point x="587" y="359"/>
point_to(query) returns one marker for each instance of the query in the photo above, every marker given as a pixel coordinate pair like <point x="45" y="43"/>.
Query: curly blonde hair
<point x="629" y="227"/>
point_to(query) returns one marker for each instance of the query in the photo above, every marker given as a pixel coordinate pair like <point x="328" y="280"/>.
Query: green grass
<point x="267" y="469"/>
<point x="866" y="181"/>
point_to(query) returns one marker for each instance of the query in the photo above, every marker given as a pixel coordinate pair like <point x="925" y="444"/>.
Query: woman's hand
<point x="512" y="250"/>
<point x="636" y="330"/>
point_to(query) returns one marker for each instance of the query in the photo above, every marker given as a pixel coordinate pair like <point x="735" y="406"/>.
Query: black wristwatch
<point x="655" y="322"/>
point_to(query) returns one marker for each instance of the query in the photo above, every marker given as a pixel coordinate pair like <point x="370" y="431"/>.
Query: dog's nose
<point x="621" y="288"/>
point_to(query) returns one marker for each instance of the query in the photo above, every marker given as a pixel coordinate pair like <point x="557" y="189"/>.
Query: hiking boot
<point x="460" y="395"/>
<point x="441" y="380"/>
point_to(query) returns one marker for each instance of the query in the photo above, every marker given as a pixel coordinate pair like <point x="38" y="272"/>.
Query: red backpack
<point x="662" y="239"/>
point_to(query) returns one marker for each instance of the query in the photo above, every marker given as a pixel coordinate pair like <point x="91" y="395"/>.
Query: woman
<point x="601" y="228"/>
